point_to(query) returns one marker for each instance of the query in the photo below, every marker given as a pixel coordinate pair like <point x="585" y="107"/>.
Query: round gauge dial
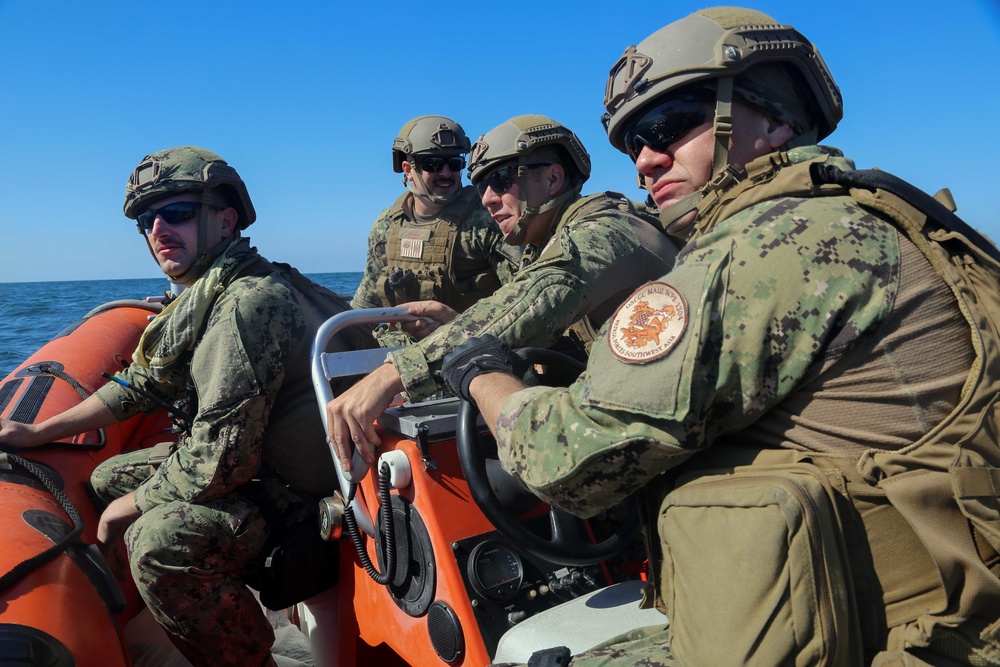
<point x="495" y="570"/>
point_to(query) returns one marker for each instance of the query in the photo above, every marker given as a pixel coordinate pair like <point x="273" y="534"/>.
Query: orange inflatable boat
<point x="442" y="559"/>
<point x="59" y="604"/>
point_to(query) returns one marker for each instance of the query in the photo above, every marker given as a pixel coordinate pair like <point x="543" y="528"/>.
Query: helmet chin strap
<point x="422" y="190"/>
<point x="674" y="217"/>
<point x="519" y="231"/>
<point x="203" y="258"/>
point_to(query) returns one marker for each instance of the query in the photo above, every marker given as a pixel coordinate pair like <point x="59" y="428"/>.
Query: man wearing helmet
<point x="805" y="404"/>
<point x="582" y="254"/>
<point x="233" y="352"/>
<point x="436" y="241"/>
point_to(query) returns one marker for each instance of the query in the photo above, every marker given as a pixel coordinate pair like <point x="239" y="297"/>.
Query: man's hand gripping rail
<point x="329" y="365"/>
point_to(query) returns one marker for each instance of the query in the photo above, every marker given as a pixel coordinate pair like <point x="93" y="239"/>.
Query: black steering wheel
<point x="567" y="543"/>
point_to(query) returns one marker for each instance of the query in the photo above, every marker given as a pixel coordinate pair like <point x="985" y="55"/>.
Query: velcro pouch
<point x="160" y="452"/>
<point x="755" y="569"/>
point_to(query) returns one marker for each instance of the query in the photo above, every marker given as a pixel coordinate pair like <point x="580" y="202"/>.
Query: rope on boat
<point x="50" y="369"/>
<point x="47" y="368"/>
<point x="26" y="567"/>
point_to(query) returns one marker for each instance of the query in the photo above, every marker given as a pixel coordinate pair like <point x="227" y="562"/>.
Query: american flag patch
<point x="413" y="248"/>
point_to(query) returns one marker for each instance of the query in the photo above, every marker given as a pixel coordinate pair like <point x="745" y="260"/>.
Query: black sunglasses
<point x="433" y="165"/>
<point x="172" y="214"/>
<point x="665" y="123"/>
<point x="503" y="179"/>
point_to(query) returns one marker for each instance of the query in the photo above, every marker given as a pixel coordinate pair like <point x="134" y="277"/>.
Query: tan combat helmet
<point x="427" y="136"/>
<point x="188" y="169"/>
<point x="528" y="140"/>
<point x="185" y="169"/>
<point x="738" y="52"/>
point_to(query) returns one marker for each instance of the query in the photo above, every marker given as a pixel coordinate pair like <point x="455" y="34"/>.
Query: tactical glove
<point x="476" y="356"/>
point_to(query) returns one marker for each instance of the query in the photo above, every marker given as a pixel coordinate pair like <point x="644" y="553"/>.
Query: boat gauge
<point x="495" y="571"/>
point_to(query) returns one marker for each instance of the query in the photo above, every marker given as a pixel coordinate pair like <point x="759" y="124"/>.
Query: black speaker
<point x="445" y="632"/>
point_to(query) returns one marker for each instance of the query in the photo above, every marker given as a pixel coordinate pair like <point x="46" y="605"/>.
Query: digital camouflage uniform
<point x="796" y="322"/>
<point x="245" y="375"/>
<point x="479" y="260"/>
<point x="599" y="250"/>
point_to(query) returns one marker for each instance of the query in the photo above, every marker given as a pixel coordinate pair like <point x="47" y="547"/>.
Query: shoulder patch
<point x="649" y="324"/>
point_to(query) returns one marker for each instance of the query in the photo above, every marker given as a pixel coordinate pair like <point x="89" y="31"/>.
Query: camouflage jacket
<point x="248" y="385"/>
<point x="600" y="248"/>
<point x="478" y="249"/>
<point x="776" y="306"/>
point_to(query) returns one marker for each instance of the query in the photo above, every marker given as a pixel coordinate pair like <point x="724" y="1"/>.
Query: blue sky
<point x="304" y="99"/>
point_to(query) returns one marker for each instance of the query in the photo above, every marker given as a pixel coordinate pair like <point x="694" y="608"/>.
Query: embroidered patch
<point x="413" y="248"/>
<point x="649" y="324"/>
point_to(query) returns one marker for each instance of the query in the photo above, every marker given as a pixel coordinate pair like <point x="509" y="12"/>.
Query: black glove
<point x="485" y="354"/>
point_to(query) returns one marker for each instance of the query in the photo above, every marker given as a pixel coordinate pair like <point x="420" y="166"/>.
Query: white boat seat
<point x="580" y="624"/>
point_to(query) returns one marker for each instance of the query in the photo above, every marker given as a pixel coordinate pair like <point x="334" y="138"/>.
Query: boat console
<point x="450" y="553"/>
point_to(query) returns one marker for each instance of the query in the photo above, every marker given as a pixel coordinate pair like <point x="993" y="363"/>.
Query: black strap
<point x="26" y="567"/>
<point x="876" y="179"/>
<point x="48" y="368"/>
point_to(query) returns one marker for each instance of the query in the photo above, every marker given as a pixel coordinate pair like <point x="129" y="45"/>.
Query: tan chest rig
<point x="580" y="336"/>
<point x="919" y="528"/>
<point x="419" y="259"/>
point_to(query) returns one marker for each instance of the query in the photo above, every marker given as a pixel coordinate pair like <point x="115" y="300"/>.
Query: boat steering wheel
<point x="567" y="543"/>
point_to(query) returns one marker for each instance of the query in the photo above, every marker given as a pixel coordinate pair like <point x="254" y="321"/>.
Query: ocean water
<point x="32" y="314"/>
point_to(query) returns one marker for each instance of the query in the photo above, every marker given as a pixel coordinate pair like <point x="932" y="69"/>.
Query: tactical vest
<point x="419" y="259"/>
<point x="619" y="281"/>
<point x="921" y="524"/>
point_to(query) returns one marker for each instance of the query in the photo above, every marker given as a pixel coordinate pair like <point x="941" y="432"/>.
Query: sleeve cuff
<point x="139" y="499"/>
<point x="118" y="400"/>
<point x="507" y="422"/>
<point x="414" y="372"/>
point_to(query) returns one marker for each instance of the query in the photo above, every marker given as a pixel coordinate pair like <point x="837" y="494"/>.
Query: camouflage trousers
<point x="188" y="562"/>
<point x="650" y="647"/>
<point x="642" y="647"/>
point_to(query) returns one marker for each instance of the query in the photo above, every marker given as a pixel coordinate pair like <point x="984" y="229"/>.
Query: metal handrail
<point x="329" y="365"/>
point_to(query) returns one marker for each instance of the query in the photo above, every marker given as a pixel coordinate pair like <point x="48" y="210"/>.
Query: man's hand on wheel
<point x="475" y="357"/>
